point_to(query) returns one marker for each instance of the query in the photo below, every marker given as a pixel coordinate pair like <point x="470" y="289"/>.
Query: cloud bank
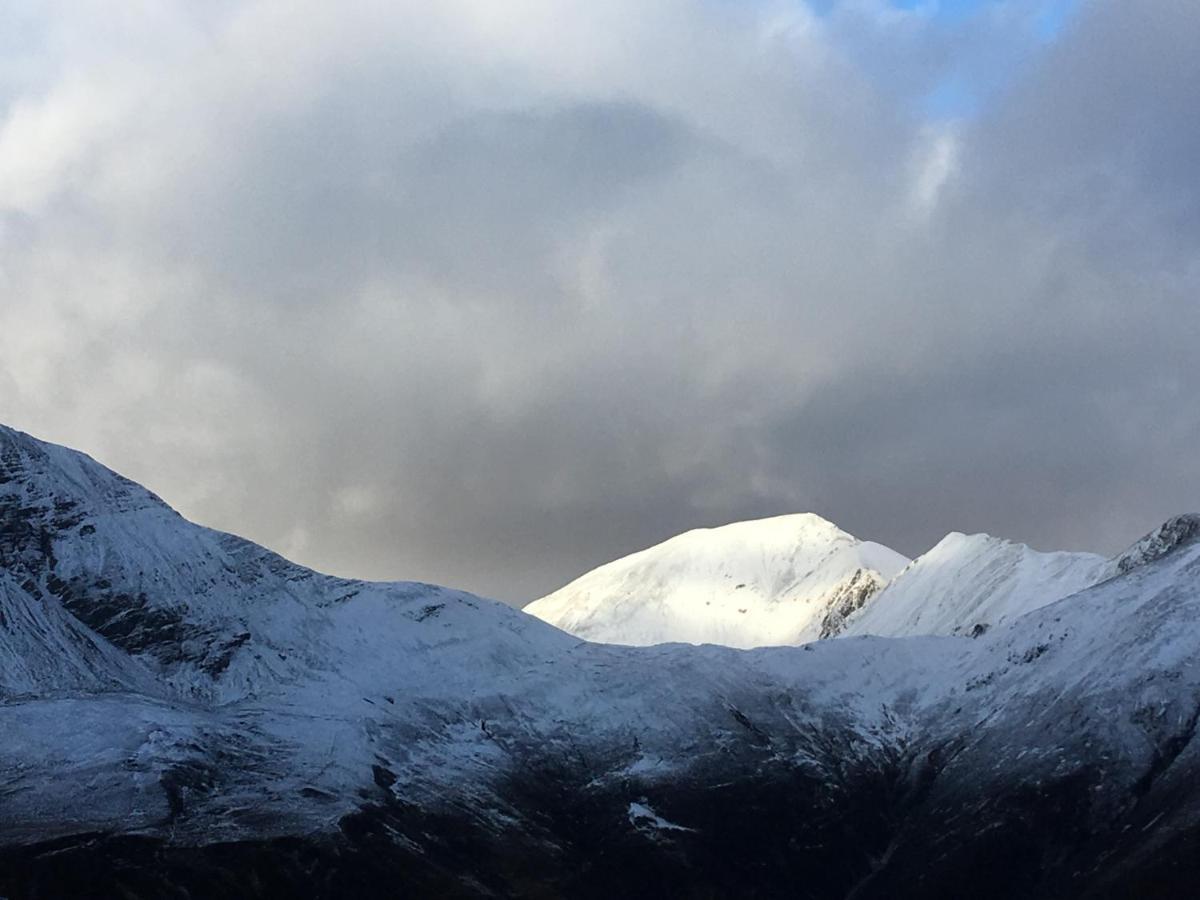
<point x="488" y="294"/>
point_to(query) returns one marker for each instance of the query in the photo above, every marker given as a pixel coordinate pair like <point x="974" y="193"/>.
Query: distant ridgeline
<point x="795" y="579"/>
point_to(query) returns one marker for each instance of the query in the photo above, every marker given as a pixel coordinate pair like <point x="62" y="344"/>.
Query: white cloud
<point x="935" y="163"/>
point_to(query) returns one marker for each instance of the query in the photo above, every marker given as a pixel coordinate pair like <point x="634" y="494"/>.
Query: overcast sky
<point x="488" y="294"/>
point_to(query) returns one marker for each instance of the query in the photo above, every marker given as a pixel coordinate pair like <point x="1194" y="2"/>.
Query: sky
<point x="489" y="294"/>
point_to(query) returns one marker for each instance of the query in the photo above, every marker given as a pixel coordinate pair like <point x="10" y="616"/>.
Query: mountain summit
<point x="783" y="580"/>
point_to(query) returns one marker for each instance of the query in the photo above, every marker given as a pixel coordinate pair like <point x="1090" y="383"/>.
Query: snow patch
<point x="644" y="817"/>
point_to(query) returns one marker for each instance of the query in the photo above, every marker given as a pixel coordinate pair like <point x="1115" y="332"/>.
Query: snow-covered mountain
<point x="784" y="580"/>
<point x="968" y="583"/>
<point x="188" y="714"/>
<point x="794" y="579"/>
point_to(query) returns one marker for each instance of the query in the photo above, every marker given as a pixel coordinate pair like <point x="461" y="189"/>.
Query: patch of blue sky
<point x="952" y="98"/>
<point x="957" y="96"/>
<point x="1048" y="22"/>
<point x="1049" y="19"/>
<point x="1053" y="17"/>
<point x="963" y="91"/>
<point x="946" y="10"/>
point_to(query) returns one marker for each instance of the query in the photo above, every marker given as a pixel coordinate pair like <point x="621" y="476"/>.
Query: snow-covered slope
<point x="187" y="714"/>
<point x="111" y="581"/>
<point x="300" y="683"/>
<point x="783" y="580"/>
<point x="968" y="583"/>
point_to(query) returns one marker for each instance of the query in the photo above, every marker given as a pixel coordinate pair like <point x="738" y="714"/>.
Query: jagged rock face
<point x="282" y="733"/>
<point x="847" y="600"/>
<point x="1178" y="532"/>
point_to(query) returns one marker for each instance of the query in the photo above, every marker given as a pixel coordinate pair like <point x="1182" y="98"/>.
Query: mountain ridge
<point x="419" y="739"/>
<point x="964" y="584"/>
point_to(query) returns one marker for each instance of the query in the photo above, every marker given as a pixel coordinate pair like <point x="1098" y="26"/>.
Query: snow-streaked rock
<point x="778" y="581"/>
<point x="1176" y="532"/>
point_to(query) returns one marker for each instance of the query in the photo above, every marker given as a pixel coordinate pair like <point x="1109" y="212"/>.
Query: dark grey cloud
<point x="490" y="298"/>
